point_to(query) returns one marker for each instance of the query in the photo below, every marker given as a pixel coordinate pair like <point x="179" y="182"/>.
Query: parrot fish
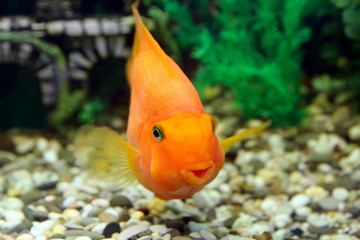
<point x="171" y="146"/>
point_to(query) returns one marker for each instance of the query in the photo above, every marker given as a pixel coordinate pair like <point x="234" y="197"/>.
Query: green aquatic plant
<point x="68" y="105"/>
<point x="351" y="17"/>
<point x="90" y="110"/>
<point x="251" y="47"/>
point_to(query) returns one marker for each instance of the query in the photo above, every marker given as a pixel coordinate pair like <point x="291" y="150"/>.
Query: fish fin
<point x="228" y="142"/>
<point x="111" y="157"/>
<point x="143" y="38"/>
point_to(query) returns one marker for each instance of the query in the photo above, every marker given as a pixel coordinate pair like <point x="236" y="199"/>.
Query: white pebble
<point x="50" y="155"/>
<point x="159" y="228"/>
<point x="354" y="132"/>
<point x="299" y="200"/>
<point x="12" y="204"/>
<point x="42" y="144"/>
<point x="281" y="220"/>
<point x="14" y="216"/>
<point x="244" y="221"/>
<point x="316" y="192"/>
<point x="41" y="237"/>
<point x="194" y="226"/>
<point x="317" y="220"/>
<point x="207" y="198"/>
<point x="83" y="238"/>
<point x="206" y="234"/>
<point x="132" y="231"/>
<point x="223" y="212"/>
<point x="166" y="237"/>
<point x="99" y="228"/>
<point x="70" y="213"/>
<point x="303" y="211"/>
<point x="40" y="228"/>
<point x="340" y="194"/>
<point x="100" y="202"/>
<point x="25" y="236"/>
<point x="195" y="235"/>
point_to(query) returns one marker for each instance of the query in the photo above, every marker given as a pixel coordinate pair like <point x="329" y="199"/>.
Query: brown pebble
<point x="264" y="236"/>
<point x="276" y="188"/>
<point x="106" y="217"/>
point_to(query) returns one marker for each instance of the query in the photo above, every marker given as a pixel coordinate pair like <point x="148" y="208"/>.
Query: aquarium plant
<point x="251" y="47"/>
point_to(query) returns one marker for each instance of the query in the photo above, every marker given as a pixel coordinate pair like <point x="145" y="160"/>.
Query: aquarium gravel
<point x="298" y="183"/>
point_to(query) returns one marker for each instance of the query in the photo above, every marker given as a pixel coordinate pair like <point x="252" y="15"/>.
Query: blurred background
<point x="62" y="62"/>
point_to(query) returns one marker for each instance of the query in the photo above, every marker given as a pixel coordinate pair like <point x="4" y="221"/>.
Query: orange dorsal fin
<point x="145" y="41"/>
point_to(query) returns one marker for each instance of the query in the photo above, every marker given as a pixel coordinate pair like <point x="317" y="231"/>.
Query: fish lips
<point x="196" y="174"/>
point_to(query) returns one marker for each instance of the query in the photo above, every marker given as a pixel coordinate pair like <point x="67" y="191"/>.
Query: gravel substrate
<point x="298" y="183"/>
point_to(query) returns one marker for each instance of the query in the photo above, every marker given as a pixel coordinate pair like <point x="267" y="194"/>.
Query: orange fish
<point x="171" y="146"/>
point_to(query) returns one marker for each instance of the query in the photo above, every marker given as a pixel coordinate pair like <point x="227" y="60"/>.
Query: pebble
<point x="328" y="203"/>
<point x="11" y="203"/>
<point x="159" y="228"/>
<point x="111" y="228"/>
<point x="50" y="155"/>
<point x="83" y="238"/>
<point x="42" y="227"/>
<point x="71" y="213"/>
<point x="206" y="234"/>
<point x="317" y="220"/>
<point x="354" y="132"/>
<point x="195" y="226"/>
<point x="316" y="192"/>
<point x="14" y="216"/>
<point x="121" y="201"/>
<point x="303" y="211"/>
<point x="176" y="224"/>
<point x="31" y="196"/>
<point x="100" y="202"/>
<point x="132" y="231"/>
<point x="299" y="200"/>
<point x="106" y="217"/>
<point x="25" y="236"/>
<point x="271" y="191"/>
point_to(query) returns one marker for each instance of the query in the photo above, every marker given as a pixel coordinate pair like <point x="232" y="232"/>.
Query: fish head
<point x="185" y="154"/>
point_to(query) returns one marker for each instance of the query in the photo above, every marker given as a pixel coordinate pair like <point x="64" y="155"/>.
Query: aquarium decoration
<point x="45" y="58"/>
<point x="62" y="46"/>
<point x="256" y="56"/>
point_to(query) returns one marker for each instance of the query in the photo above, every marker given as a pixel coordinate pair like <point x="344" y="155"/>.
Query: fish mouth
<point x="198" y="173"/>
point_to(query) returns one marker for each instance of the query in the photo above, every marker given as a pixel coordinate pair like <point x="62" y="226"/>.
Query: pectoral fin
<point x="111" y="157"/>
<point x="228" y="142"/>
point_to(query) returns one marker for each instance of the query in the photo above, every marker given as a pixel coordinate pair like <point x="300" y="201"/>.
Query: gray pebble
<point x="31" y="196"/>
<point x="328" y="203"/>
<point x="347" y="182"/>
<point x="322" y="230"/>
<point x="92" y="235"/>
<point x="121" y="201"/>
<point x="230" y="221"/>
<point x="25" y="225"/>
<point x="195" y="226"/>
<point x="58" y="236"/>
<point x="88" y="220"/>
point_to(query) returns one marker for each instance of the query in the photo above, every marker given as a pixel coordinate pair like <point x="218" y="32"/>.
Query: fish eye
<point x="213" y="123"/>
<point x="157" y="133"/>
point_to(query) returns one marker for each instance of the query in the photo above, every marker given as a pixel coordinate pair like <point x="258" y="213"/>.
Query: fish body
<point x="171" y="145"/>
<point x="189" y="156"/>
